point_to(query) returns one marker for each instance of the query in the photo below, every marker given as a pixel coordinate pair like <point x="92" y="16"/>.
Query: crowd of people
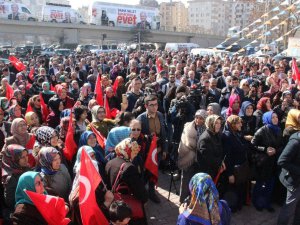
<point x="228" y="126"/>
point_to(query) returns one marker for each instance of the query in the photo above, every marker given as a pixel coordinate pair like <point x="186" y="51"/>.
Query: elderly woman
<point x="99" y="121"/>
<point x="204" y="206"/>
<point x="126" y="151"/>
<point x="187" y="150"/>
<point x="209" y="147"/>
<point x="14" y="164"/>
<point x="268" y="143"/>
<point x="56" y="177"/>
<point x="25" y="211"/>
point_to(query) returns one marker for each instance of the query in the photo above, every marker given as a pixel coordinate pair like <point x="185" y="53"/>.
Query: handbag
<point x="122" y="192"/>
<point x="259" y="158"/>
<point x="241" y="173"/>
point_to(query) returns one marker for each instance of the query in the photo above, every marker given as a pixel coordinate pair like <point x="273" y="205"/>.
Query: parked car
<point x="49" y="52"/>
<point x="63" y="51"/>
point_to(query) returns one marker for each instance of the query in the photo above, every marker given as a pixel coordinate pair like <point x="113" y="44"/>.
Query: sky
<point x="78" y="3"/>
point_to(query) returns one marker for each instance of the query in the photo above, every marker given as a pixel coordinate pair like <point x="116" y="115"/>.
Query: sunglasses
<point x="137" y="129"/>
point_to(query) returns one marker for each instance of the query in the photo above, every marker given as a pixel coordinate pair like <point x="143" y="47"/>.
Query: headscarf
<point x="293" y="119"/>
<point x="64" y="125"/>
<point x="261" y="105"/>
<point x="44" y="135"/>
<point x="232" y="121"/>
<point x="46" y="156"/>
<point x="94" y="111"/>
<point x="88" y="150"/>
<point x="47" y="91"/>
<point x="4" y="104"/>
<point x="26" y="181"/>
<point x="204" y="205"/>
<point x="210" y="122"/>
<point x="230" y="110"/>
<point x="22" y="138"/>
<point x="125" y="148"/>
<point x="216" y="108"/>
<point x="54" y="105"/>
<point x="244" y="107"/>
<point x="84" y="137"/>
<point x="11" y="111"/>
<point x="10" y="159"/>
<point x="28" y="119"/>
<point x="267" y="120"/>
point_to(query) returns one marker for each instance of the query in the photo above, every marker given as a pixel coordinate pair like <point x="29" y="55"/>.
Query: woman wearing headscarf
<point x="56" y="177"/>
<point x="15" y="111"/>
<point x="126" y="151"/>
<point x="248" y="120"/>
<point x="263" y="106"/>
<point x="213" y="109"/>
<point x="99" y="121"/>
<point x="187" y="150"/>
<point x="56" y="106"/>
<point x="20" y="136"/>
<point x="4" y="128"/>
<point x="204" y="207"/>
<point x="237" y="167"/>
<point x="234" y="106"/>
<point x="25" y="211"/>
<point x="63" y="127"/>
<point x="210" y="151"/>
<point x="35" y="104"/>
<point x="103" y="196"/>
<point x="62" y="93"/>
<point x="32" y="121"/>
<point x="292" y="124"/>
<point x="268" y="143"/>
<point x="47" y="93"/>
<point x="89" y="138"/>
<point x="113" y="101"/>
<point x="14" y="164"/>
<point x="20" y="99"/>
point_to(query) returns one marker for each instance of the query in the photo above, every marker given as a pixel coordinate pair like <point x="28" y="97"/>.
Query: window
<point x="25" y="10"/>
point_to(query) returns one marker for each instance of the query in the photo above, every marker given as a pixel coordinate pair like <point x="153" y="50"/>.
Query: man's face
<point x="235" y="83"/>
<point x="152" y="107"/>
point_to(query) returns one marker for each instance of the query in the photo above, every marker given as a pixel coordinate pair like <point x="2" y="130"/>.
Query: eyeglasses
<point x="136" y="129"/>
<point x="152" y="105"/>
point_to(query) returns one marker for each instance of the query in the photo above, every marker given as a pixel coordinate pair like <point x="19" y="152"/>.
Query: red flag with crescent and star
<point x="98" y="91"/>
<point x="9" y="91"/>
<point x="100" y="138"/>
<point x="151" y="161"/>
<point x="70" y="144"/>
<point x="295" y="70"/>
<point x="16" y="63"/>
<point x="89" y="180"/>
<point x="52" y="208"/>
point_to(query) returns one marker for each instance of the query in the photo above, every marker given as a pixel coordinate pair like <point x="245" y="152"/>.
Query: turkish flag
<point x="29" y="108"/>
<point x="107" y="109"/>
<point x="29" y="147"/>
<point x="98" y="91"/>
<point x="9" y="91"/>
<point x="45" y="110"/>
<point x="295" y="70"/>
<point x="52" y="208"/>
<point x="151" y="161"/>
<point x="101" y="139"/>
<point x="31" y="74"/>
<point x="159" y="66"/>
<point x="89" y="180"/>
<point x="17" y="63"/>
<point x="116" y="85"/>
<point x="70" y="145"/>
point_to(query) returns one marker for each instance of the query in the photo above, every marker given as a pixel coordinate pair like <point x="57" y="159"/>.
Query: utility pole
<point x="139" y="40"/>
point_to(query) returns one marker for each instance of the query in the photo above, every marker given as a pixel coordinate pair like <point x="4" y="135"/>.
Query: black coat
<point x="130" y="176"/>
<point x="210" y="153"/>
<point x="264" y="138"/>
<point x="289" y="161"/>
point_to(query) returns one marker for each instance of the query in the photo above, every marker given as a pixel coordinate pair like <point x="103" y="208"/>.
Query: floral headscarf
<point x="10" y="159"/>
<point x="44" y="135"/>
<point x="125" y="148"/>
<point x="46" y="157"/>
<point x="28" y="119"/>
<point x="204" y="205"/>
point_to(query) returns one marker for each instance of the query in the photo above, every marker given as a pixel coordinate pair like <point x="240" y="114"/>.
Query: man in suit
<point x="221" y="81"/>
<point x="143" y="24"/>
<point x="191" y="78"/>
<point x="166" y="87"/>
<point x="15" y="12"/>
<point x="153" y="123"/>
<point x="214" y="91"/>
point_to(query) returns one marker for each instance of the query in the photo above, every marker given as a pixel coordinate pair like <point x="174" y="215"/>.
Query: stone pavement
<point x="166" y="212"/>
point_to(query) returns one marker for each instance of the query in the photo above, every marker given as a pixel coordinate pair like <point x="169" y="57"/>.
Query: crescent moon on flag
<point x="153" y="156"/>
<point x="85" y="181"/>
<point x="49" y="198"/>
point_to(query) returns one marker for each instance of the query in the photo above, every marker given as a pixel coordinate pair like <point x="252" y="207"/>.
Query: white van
<point x="15" y="11"/>
<point x="209" y="52"/>
<point x="178" y="47"/>
<point x="61" y="14"/>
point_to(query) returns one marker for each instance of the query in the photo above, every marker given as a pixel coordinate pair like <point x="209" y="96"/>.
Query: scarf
<point x="292" y="119"/>
<point x="46" y="157"/>
<point x="44" y="135"/>
<point x="22" y="138"/>
<point x="267" y="120"/>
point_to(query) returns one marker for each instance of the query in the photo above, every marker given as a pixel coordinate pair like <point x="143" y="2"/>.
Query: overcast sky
<point x="78" y="3"/>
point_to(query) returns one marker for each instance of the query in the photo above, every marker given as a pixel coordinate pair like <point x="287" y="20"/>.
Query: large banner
<point x="293" y="47"/>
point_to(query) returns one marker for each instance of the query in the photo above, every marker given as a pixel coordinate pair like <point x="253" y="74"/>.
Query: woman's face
<point x="268" y="105"/>
<point x="39" y="185"/>
<point x="236" y="105"/>
<point x="249" y="110"/>
<point x="101" y="114"/>
<point x="92" y="141"/>
<point x="135" y="130"/>
<point x="63" y="94"/>
<point x="61" y="106"/>
<point x="218" y="126"/>
<point x="45" y="87"/>
<point x="23" y="161"/>
<point x="83" y="116"/>
<point x="18" y="111"/>
<point x="35" y="120"/>
<point x="210" y="110"/>
<point x="22" y="127"/>
<point x="238" y="126"/>
<point x="274" y="119"/>
<point x="37" y="102"/>
<point x="54" y="140"/>
<point x="56" y="162"/>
